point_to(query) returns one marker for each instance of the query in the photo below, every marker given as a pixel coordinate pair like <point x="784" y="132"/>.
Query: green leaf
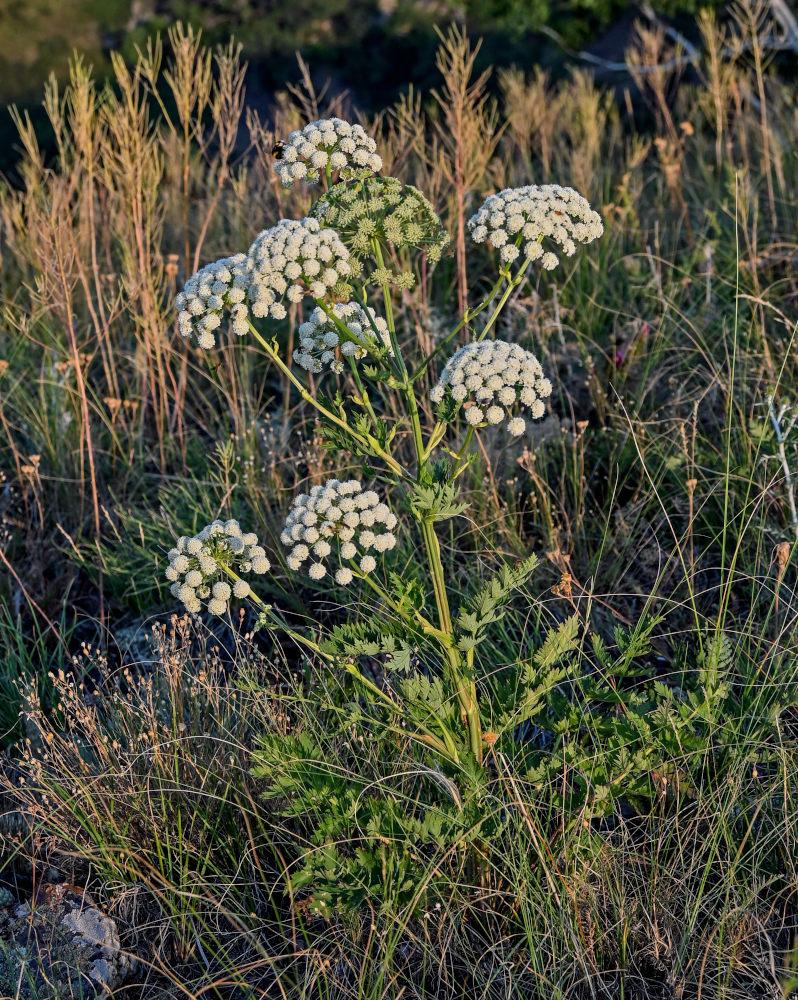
<point x="488" y="604"/>
<point x="435" y="501"/>
<point x="371" y="639"/>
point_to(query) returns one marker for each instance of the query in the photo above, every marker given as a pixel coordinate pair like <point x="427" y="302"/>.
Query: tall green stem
<point x="508" y="291"/>
<point x="464" y="685"/>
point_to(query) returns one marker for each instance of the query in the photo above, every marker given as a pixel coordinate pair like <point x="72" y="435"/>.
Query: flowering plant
<point x="367" y="235"/>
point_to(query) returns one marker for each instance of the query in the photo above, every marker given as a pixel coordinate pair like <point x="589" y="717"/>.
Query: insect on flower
<point x="277" y="150"/>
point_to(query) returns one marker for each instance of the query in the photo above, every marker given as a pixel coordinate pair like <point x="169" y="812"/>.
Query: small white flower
<point x="316" y="571"/>
<point x="529" y="215"/>
<point x="344" y="521"/>
<point x="494" y="414"/>
<point x="330" y="141"/>
<point x="498" y="377"/>
<point x="208" y="565"/>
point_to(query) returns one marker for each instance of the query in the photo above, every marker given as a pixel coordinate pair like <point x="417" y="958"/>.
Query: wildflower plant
<point x="348" y="331"/>
<point x="325" y="147"/>
<point x="341" y="268"/>
<point x="199" y="566"/>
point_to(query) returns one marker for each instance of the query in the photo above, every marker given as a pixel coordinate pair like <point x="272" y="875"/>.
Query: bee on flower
<point x="294" y="258"/>
<point x="197" y="566"/>
<point x="328" y="143"/>
<point x="517" y="221"/>
<point x="222" y="284"/>
<point x="495" y="378"/>
<point x="321" y="341"/>
<point x="341" y="522"/>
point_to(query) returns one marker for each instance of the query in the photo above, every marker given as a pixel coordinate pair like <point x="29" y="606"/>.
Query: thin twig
<point x="781" y="437"/>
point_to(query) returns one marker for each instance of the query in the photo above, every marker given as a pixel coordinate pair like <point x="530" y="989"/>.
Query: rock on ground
<point x="60" y="946"/>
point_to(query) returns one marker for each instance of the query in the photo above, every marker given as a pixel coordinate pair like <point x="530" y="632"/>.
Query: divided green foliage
<point x="523" y="691"/>
<point x="487" y="605"/>
<point x="435" y="501"/>
<point x="620" y="735"/>
<point x="377" y="829"/>
<point x="372" y="638"/>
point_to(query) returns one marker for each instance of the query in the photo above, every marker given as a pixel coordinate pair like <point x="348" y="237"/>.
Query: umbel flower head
<point x="292" y="258"/>
<point x="341" y="523"/>
<point x="196" y="567"/>
<point x="320" y="338"/>
<point x="496" y="378"/>
<point x="517" y="220"/>
<point x="329" y="142"/>
<point x="366" y="208"/>
<point x="205" y="295"/>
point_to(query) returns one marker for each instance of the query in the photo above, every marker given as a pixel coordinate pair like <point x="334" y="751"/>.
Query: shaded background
<point x="372" y="48"/>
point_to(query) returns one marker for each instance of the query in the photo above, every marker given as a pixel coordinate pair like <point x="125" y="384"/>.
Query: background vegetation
<point x="661" y="486"/>
<point x="375" y="48"/>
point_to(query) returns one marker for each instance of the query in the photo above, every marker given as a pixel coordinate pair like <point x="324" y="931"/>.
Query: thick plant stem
<point x="465" y="688"/>
<point x="436" y="568"/>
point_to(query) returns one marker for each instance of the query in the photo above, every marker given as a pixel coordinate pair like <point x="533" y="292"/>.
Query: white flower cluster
<point x="329" y="142"/>
<point x="291" y="258"/>
<point x="206" y="293"/>
<point x="196" y="565"/>
<point x="340" y="515"/>
<point x="495" y="376"/>
<point x="319" y="336"/>
<point x="516" y="221"/>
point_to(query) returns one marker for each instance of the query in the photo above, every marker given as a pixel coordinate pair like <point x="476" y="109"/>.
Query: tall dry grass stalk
<point x="468" y="133"/>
